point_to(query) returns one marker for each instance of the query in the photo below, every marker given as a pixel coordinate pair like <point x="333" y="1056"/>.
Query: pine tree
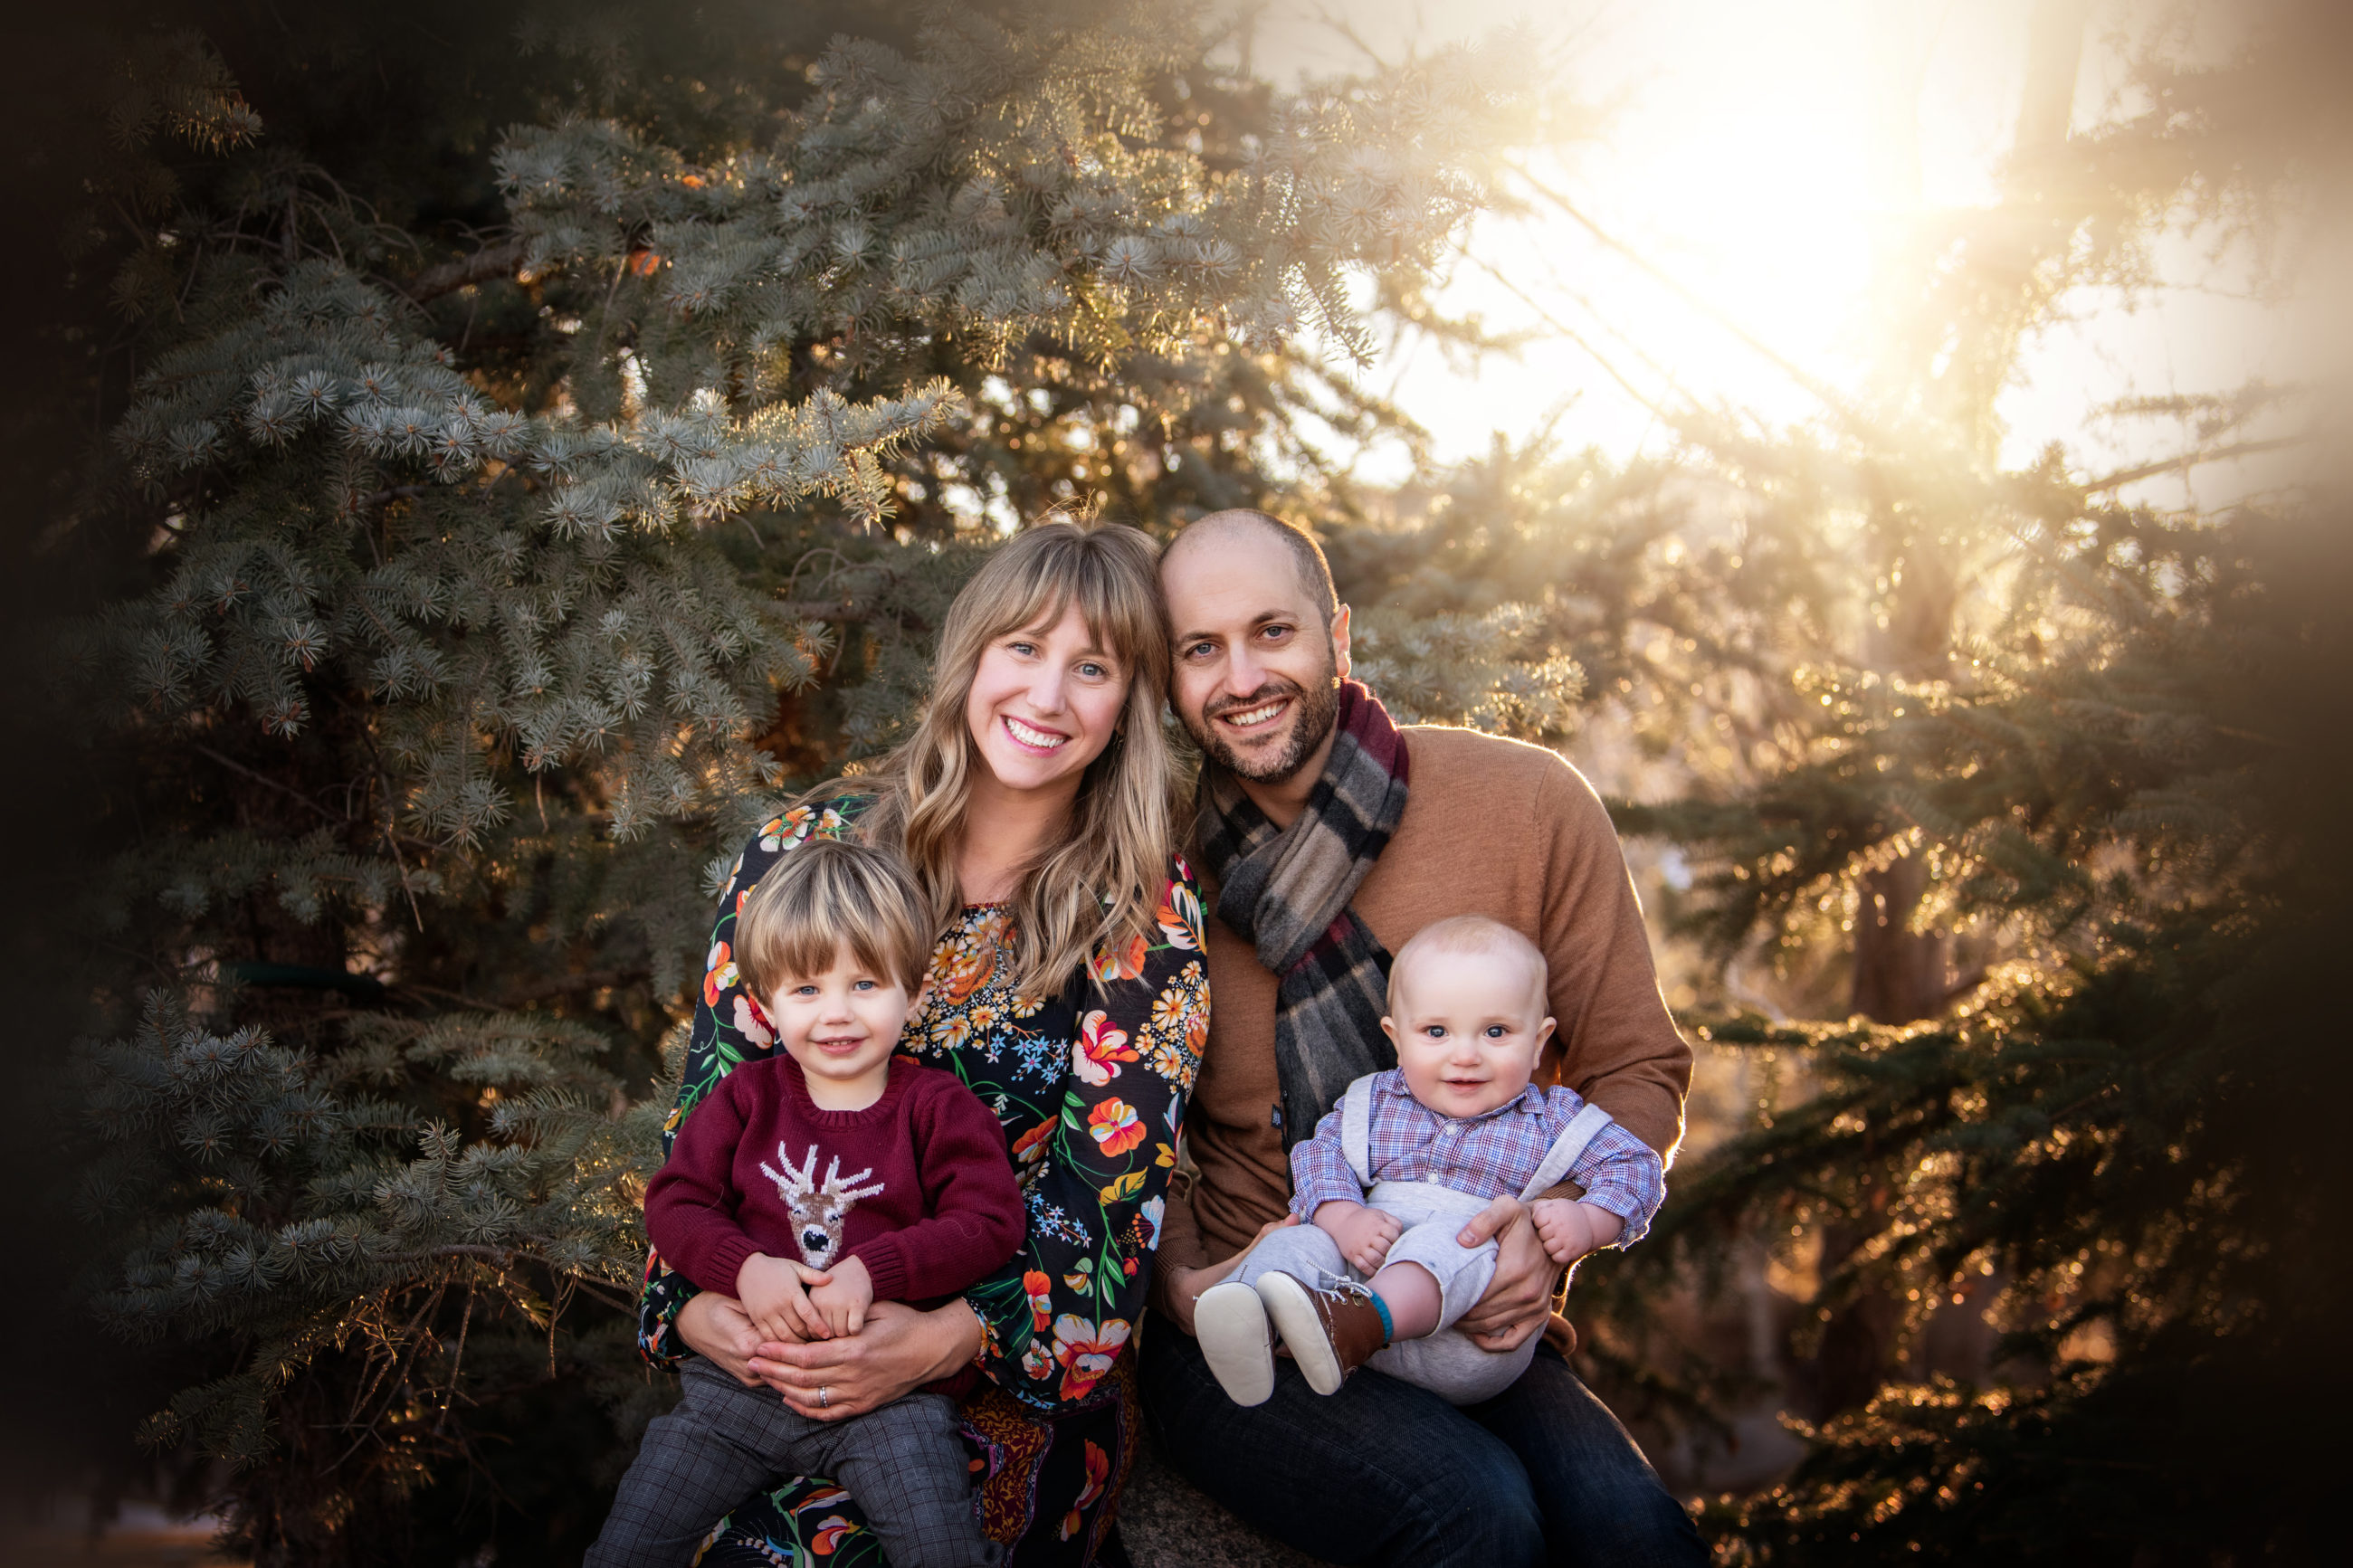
<point x="493" y="584"/>
<point x="2012" y="794"/>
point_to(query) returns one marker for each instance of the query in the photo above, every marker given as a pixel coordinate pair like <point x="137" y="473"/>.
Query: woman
<point x="1034" y="801"/>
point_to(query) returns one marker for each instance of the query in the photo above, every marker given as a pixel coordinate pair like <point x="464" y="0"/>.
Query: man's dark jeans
<point x="1383" y="1473"/>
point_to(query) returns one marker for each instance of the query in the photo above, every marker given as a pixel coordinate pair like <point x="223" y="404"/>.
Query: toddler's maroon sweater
<point x="937" y="1208"/>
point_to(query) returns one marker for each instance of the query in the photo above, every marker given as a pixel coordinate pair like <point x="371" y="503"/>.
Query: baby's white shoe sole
<point x="1295" y="1319"/>
<point x="1230" y="1321"/>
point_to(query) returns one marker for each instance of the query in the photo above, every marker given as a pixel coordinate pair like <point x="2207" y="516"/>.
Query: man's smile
<point x="1256" y="718"/>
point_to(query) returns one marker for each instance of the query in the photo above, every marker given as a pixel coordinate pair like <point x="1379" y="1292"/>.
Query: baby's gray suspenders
<point x="1357" y="1129"/>
<point x="1582" y="1129"/>
<point x="1356" y="1137"/>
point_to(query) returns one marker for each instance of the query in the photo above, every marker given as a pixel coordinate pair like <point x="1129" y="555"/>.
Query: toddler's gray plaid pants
<point x="904" y="1464"/>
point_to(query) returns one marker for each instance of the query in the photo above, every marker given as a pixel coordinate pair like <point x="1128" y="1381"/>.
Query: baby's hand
<point x="771" y="1291"/>
<point x="1364" y="1235"/>
<point x="1570" y="1230"/>
<point x="843" y="1300"/>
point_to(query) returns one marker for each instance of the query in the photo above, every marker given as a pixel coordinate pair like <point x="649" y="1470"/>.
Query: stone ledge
<point x="1165" y="1521"/>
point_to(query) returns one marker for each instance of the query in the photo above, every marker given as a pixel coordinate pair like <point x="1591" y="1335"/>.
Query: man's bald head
<point x="1306" y="555"/>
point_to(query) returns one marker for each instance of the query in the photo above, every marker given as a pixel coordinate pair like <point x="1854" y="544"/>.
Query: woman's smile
<point x="1034" y="737"/>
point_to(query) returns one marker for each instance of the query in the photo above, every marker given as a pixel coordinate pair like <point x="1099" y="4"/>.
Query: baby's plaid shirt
<point x="1488" y="1156"/>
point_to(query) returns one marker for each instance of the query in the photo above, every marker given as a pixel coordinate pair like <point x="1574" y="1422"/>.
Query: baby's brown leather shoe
<point x="1331" y="1329"/>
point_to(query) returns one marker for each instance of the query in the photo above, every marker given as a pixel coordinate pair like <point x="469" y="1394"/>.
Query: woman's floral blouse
<point x="1090" y="1086"/>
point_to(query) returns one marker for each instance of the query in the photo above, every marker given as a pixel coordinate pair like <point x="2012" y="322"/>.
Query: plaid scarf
<point x="1286" y="893"/>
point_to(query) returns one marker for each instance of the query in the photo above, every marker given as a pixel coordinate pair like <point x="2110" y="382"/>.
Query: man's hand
<point x="843" y="1300"/>
<point x="771" y="1291"/>
<point x="1570" y="1230"/>
<point x="1364" y="1235"/>
<point x="1519" y="1299"/>
<point x="1183" y="1286"/>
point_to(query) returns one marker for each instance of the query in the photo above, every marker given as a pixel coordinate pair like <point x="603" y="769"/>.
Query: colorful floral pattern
<point x="1090" y="1086"/>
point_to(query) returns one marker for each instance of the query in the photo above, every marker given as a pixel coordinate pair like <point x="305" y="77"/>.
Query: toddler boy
<point x="808" y="1185"/>
<point x="1392" y="1173"/>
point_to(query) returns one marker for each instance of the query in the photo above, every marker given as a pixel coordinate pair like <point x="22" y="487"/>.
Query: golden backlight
<point x="1769" y="172"/>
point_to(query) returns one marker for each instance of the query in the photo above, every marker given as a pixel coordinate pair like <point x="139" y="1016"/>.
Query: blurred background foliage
<point x="483" y="456"/>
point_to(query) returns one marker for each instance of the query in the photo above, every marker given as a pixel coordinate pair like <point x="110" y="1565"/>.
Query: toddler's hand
<point x="843" y="1300"/>
<point x="1364" y="1235"/>
<point x="771" y="1291"/>
<point x="1569" y="1230"/>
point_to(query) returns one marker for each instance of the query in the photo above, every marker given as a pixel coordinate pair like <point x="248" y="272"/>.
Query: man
<point x="1330" y="836"/>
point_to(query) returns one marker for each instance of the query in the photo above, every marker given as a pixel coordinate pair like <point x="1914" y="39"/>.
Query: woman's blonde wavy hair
<point x="1099" y="885"/>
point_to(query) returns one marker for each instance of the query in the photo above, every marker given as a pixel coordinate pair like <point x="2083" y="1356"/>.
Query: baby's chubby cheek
<point x="1464" y="1099"/>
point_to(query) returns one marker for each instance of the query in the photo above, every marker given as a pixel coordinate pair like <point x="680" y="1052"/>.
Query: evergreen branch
<point x="1671" y="420"/>
<point x="494" y="261"/>
<point x="386" y="496"/>
<point x="1215" y="162"/>
<point x="536" y="990"/>
<point x="1814" y="385"/>
<point x="571" y="984"/>
<point x="266" y="781"/>
<point x="849" y="611"/>
<point x="2187" y="460"/>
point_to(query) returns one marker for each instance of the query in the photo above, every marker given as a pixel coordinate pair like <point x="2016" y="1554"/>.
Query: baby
<point x="808" y="1185"/>
<point x="1409" y="1155"/>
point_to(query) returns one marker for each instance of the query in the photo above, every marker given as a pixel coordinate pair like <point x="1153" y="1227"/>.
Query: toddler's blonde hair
<point x="1469" y="933"/>
<point x="826" y="896"/>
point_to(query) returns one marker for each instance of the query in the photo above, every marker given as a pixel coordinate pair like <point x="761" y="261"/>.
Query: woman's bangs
<point x="1122" y="618"/>
<point x="1040" y="606"/>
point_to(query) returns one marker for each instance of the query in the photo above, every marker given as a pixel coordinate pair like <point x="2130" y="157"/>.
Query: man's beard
<point x="1313" y="710"/>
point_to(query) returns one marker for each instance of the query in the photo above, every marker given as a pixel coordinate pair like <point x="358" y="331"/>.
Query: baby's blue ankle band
<point x="1389" y="1325"/>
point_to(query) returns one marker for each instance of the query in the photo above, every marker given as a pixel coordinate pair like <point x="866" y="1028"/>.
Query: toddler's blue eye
<point x="1495" y="1031"/>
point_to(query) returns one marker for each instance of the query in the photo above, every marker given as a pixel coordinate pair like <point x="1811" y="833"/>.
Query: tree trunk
<point x="1900" y="974"/>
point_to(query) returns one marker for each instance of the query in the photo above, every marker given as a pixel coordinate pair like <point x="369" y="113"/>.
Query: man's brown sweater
<point x="1491" y="828"/>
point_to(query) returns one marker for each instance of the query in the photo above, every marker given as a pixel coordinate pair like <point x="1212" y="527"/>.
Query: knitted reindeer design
<point x="818" y="1209"/>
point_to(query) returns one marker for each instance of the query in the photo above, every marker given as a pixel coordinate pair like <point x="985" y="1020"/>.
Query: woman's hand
<point x="1518" y="1300"/>
<point x="720" y="1330"/>
<point x="1184" y="1285"/>
<point x="898" y="1351"/>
